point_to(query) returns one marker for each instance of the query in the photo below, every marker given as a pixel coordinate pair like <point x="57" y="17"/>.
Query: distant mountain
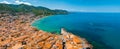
<point x="29" y="9"/>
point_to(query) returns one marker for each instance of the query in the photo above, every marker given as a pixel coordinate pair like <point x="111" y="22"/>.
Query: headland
<point x="16" y="32"/>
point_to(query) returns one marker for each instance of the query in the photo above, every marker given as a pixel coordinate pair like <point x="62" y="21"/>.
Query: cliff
<point x="17" y="33"/>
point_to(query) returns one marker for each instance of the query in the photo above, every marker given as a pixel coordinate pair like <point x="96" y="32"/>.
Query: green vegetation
<point x="22" y="8"/>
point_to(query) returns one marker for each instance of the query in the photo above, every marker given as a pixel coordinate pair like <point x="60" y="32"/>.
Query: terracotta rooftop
<point x="17" y="33"/>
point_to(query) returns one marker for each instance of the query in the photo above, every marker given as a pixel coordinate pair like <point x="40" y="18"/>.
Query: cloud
<point x="5" y="2"/>
<point x="16" y="2"/>
<point x="20" y="2"/>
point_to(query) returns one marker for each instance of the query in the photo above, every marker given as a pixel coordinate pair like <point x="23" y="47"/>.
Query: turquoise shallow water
<point x="100" y="29"/>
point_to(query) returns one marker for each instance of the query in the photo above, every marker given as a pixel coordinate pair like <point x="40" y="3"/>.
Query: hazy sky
<point x="73" y="5"/>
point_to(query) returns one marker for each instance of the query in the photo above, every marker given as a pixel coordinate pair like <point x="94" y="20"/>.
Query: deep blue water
<point x="100" y="29"/>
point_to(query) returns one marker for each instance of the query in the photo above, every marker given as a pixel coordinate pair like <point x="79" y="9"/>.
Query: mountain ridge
<point x="39" y="10"/>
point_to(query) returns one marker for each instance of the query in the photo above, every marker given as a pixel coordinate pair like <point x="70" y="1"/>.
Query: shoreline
<point x="17" y="32"/>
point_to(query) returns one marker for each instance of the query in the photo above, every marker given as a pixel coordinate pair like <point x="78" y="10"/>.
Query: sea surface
<point x="102" y="30"/>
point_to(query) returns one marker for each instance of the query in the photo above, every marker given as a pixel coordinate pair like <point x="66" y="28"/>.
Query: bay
<point x="102" y="30"/>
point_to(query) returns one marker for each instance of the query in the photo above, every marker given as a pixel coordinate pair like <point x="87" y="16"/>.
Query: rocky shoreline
<point x="16" y="32"/>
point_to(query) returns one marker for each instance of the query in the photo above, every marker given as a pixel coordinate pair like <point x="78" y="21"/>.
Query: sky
<point x="73" y="5"/>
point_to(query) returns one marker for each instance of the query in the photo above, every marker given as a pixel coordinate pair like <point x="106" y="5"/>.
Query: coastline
<point x="20" y="32"/>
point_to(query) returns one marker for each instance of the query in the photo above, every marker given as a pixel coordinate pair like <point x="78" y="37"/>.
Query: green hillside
<point x="30" y="9"/>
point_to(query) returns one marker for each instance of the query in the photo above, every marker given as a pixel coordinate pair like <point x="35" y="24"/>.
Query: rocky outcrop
<point x="74" y="42"/>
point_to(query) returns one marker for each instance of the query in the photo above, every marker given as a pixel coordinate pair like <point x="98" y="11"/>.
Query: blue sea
<point x="102" y="30"/>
